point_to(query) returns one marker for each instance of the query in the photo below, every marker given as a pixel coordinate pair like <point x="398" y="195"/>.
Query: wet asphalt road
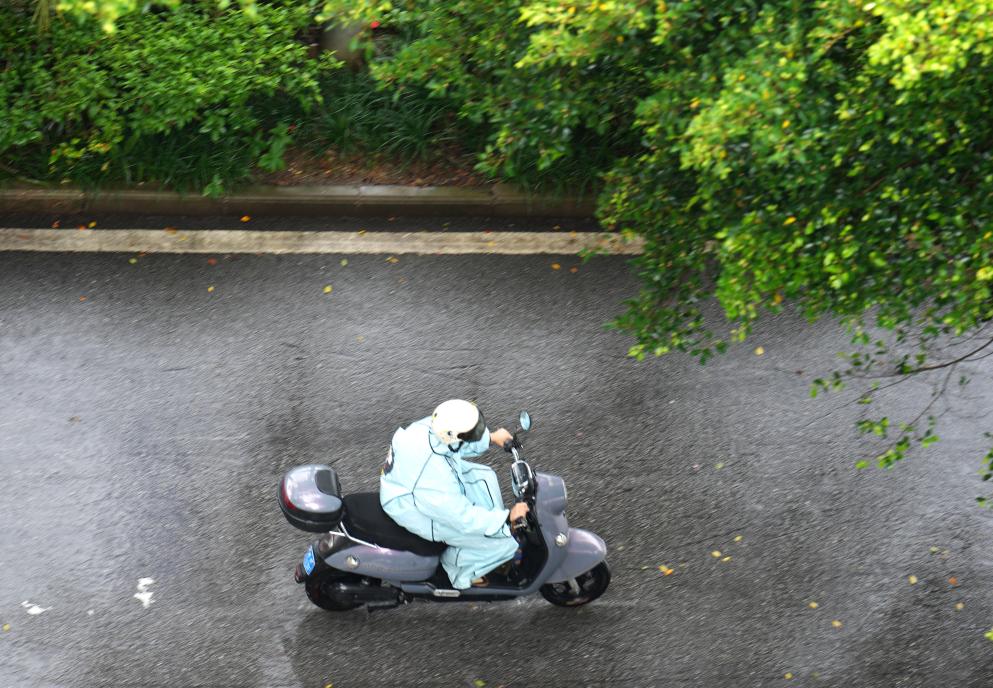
<point x="143" y="431"/>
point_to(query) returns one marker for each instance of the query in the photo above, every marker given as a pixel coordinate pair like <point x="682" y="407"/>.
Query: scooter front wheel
<point x="317" y="588"/>
<point x="588" y="586"/>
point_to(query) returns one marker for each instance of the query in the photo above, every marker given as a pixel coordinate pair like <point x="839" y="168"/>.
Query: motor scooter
<point x="365" y="558"/>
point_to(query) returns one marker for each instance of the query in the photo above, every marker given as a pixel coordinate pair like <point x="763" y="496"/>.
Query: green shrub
<point x="357" y="115"/>
<point x="190" y="98"/>
<point x="544" y="123"/>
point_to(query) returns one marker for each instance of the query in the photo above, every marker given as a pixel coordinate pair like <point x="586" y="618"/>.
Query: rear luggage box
<point x="310" y="497"/>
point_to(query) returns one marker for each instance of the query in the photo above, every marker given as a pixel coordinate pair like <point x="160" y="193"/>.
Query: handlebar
<point x="512" y="444"/>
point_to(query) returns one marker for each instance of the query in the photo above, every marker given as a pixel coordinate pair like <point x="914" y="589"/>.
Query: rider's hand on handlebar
<point x="518" y="511"/>
<point x="500" y="437"/>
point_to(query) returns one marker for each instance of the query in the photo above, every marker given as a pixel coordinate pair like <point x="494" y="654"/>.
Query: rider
<point x="428" y="488"/>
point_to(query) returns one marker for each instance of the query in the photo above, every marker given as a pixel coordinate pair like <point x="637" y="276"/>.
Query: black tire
<point x="592" y="584"/>
<point x="316" y="587"/>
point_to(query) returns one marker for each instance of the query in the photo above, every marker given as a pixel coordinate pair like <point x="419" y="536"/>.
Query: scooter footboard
<point x="583" y="551"/>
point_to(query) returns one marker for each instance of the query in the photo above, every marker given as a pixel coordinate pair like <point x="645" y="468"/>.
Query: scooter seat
<point x="365" y="519"/>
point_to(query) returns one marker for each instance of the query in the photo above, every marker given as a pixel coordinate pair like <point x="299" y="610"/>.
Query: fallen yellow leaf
<point x="132" y="260"/>
<point x="787" y="676"/>
<point x="210" y="288"/>
<point x="716" y="554"/>
<point x="813" y="605"/>
<point x="836" y="624"/>
<point x="393" y="260"/>
<point x="573" y="269"/>
<point x="91" y="224"/>
<point x="959" y="606"/>
<point x="777" y="298"/>
<point x="912" y="580"/>
<point x="328" y="288"/>
<point x="246" y="218"/>
<point x="361" y="232"/>
<point x="344" y="262"/>
<point x="555" y="266"/>
<point x="6" y="627"/>
<point x="738" y="538"/>
<point x="759" y="351"/>
<point x="726" y="559"/>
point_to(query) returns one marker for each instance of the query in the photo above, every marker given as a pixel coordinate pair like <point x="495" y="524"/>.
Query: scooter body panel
<point x="583" y="551"/>
<point x="379" y="562"/>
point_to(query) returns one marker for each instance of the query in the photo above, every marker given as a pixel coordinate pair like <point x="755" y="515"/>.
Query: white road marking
<point x="34" y="609"/>
<point x="144" y="595"/>
<point x="247" y="241"/>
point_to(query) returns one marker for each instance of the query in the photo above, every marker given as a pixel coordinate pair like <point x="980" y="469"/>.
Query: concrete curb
<point x="282" y="242"/>
<point x="356" y="200"/>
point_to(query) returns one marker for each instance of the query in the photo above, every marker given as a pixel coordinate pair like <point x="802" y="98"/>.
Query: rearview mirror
<point x="525" y="420"/>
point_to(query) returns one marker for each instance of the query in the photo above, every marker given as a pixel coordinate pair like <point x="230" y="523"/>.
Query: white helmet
<point x="457" y="420"/>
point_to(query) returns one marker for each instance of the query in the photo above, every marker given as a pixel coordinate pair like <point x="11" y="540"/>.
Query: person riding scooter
<point x="427" y="487"/>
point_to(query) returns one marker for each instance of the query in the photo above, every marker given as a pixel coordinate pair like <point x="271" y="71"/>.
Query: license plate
<point x="308" y="561"/>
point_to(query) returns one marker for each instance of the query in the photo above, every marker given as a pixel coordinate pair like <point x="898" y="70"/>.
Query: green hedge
<point x="192" y="98"/>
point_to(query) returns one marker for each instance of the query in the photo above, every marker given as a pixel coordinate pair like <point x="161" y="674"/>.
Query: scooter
<point x="365" y="558"/>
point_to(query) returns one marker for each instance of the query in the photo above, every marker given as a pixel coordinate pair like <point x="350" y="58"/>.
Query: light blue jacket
<point x="428" y="489"/>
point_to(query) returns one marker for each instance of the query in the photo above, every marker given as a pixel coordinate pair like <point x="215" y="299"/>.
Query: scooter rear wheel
<point x="316" y="588"/>
<point x="591" y="584"/>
